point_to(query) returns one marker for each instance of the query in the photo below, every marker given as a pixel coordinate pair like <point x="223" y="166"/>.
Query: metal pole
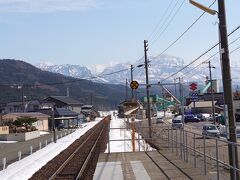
<point x="204" y="155"/>
<point x="194" y="147"/>
<point x="217" y="163"/>
<point x="54" y="130"/>
<point x="132" y="78"/>
<point x="176" y="142"/>
<point x="126" y="90"/>
<point x="213" y="105"/>
<point x="186" y="147"/>
<point x="181" y="143"/>
<point x="168" y="138"/>
<point x="227" y="83"/>
<point x="147" y="87"/>
<point x="172" y="139"/>
<point x="163" y="103"/>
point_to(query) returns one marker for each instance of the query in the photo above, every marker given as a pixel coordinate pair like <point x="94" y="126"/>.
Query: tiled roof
<point x="66" y="100"/>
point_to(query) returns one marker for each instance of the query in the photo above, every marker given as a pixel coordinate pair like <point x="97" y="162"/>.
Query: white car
<point x="159" y="120"/>
<point x="210" y="130"/>
<point x="177" y="122"/>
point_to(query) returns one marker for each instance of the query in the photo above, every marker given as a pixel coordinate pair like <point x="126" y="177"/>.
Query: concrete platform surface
<point x="145" y="166"/>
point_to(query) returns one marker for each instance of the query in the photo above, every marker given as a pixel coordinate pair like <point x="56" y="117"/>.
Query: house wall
<point x="4" y="130"/>
<point x="41" y="124"/>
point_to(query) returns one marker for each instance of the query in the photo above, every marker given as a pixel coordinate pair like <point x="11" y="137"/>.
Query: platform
<point x="145" y="165"/>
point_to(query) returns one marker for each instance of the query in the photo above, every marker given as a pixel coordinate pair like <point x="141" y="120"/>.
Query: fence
<point x="25" y="148"/>
<point x="205" y="152"/>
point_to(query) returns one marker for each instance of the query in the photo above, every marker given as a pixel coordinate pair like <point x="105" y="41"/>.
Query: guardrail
<point x="208" y="152"/>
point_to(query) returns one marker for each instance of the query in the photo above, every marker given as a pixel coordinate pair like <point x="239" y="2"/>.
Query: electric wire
<point x="168" y="24"/>
<point x="174" y="42"/>
<point x="187" y="73"/>
<point x="199" y="56"/>
<point x="210" y="58"/>
<point x="160" y="21"/>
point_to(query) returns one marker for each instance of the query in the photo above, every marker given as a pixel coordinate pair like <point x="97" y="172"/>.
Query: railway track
<point x="79" y="160"/>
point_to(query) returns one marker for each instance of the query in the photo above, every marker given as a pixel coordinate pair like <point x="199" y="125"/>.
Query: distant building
<point x="26" y="106"/>
<point x="41" y="124"/>
<point x="65" y="102"/>
<point x="90" y="112"/>
<point x="65" y="118"/>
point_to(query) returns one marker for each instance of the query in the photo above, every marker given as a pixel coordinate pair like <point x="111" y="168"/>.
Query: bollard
<point x="52" y="139"/>
<point x="4" y="161"/>
<point x="40" y="145"/>
<point x="61" y="135"/>
<point x="57" y="137"/>
<point x="45" y="142"/>
<point x="31" y="149"/>
<point x="19" y="155"/>
<point x="65" y="133"/>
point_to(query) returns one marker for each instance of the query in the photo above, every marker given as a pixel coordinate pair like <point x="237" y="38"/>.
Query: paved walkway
<point x="146" y="165"/>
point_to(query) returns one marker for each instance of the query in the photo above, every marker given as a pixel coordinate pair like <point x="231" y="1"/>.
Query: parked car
<point x="177" y="122"/>
<point x="190" y="118"/>
<point x="159" y="120"/>
<point x="216" y="115"/>
<point x="210" y="130"/>
<point x="201" y="117"/>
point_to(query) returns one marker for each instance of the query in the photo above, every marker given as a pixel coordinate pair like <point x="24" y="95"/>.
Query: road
<point x="206" y="149"/>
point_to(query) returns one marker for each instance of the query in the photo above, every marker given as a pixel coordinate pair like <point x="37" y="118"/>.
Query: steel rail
<point x="73" y="154"/>
<point x="81" y="171"/>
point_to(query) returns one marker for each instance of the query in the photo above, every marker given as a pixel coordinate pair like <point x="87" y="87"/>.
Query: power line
<point x="209" y="59"/>
<point x="161" y="19"/>
<point x="199" y="56"/>
<point x="174" y="42"/>
<point x="169" y="22"/>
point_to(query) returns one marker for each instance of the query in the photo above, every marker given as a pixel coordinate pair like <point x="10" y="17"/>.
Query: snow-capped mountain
<point x="159" y="68"/>
<point x="67" y="70"/>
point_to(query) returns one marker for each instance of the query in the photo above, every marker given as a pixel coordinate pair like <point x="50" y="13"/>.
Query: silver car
<point x="210" y="130"/>
<point x="177" y="122"/>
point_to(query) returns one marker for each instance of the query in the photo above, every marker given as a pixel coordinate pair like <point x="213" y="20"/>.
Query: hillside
<point x="38" y="84"/>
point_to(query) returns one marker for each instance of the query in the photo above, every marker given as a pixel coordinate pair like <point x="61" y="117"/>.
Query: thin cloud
<point x="46" y="5"/>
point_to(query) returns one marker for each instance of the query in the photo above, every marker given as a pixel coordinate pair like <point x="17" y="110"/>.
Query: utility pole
<point x="227" y="87"/>
<point x="213" y="105"/>
<point x="22" y="94"/>
<point x="132" y="78"/>
<point x="163" y="103"/>
<point x="53" y="126"/>
<point x="175" y="87"/>
<point x="181" y="100"/>
<point x="147" y="88"/>
<point x="126" y="90"/>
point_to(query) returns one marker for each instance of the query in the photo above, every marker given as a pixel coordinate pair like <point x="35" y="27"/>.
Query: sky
<point x="87" y="32"/>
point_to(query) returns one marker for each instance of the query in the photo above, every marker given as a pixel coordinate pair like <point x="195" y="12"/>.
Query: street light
<point x="227" y="80"/>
